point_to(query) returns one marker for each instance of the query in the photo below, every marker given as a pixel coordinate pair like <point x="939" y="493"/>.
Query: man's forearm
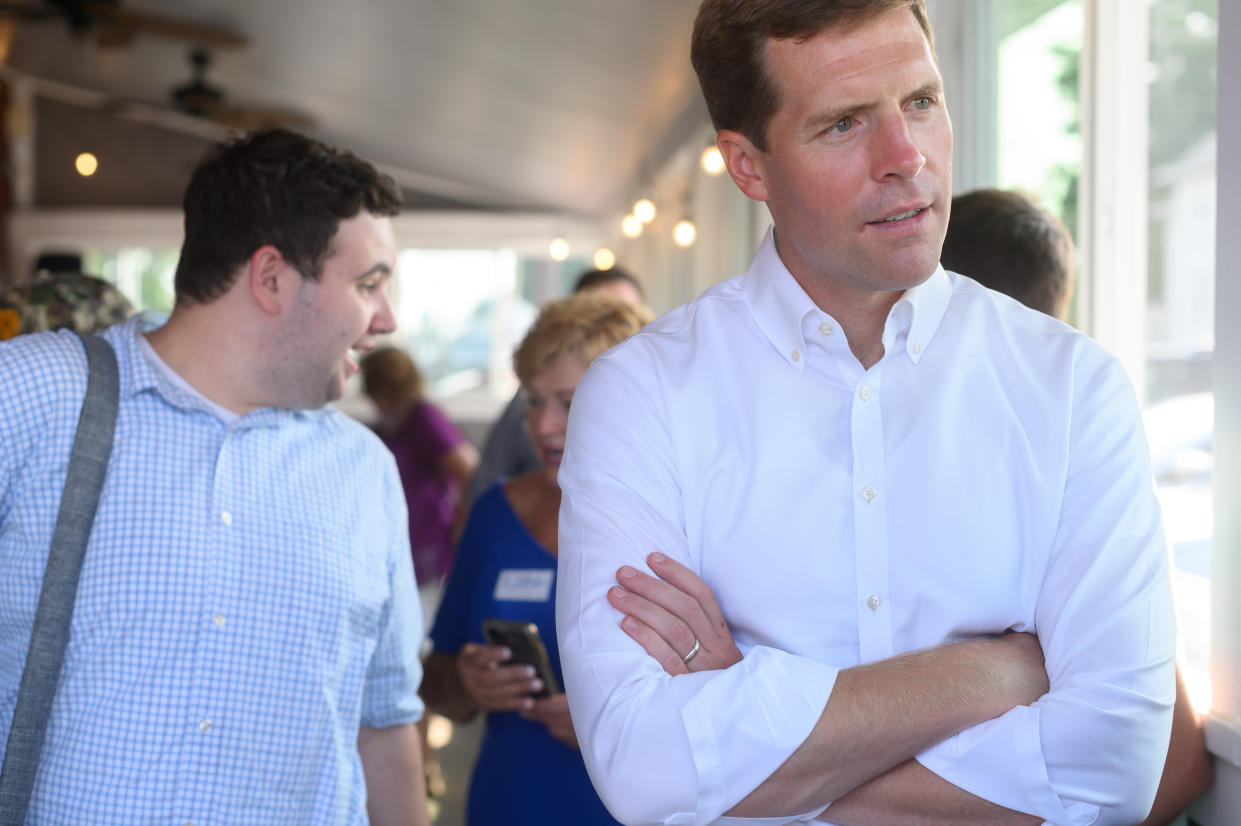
<point x="881" y="714"/>
<point x="396" y="789"/>
<point x="913" y="795"/>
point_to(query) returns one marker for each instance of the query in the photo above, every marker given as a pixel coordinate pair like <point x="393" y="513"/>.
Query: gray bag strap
<point x="88" y="465"/>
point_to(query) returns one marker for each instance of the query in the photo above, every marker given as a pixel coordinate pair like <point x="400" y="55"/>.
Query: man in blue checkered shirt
<point x="244" y="646"/>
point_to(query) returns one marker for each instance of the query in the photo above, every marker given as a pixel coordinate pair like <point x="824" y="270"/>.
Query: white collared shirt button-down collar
<point x="1011" y="490"/>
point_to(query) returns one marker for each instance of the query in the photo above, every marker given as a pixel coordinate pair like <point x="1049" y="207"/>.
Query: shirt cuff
<point x="1001" y="760"/>
<point x="757" y="717"/>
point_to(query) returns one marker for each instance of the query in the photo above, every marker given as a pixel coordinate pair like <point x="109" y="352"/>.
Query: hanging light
<point x="86" y="164"/>
<point x="644" y="210"/>
<point x="604" y="259"/>
<point x="712" y="160"/>
<point x="631" y="227"/>
<point x="558" y="249"/>
<point x="684" y="233"/>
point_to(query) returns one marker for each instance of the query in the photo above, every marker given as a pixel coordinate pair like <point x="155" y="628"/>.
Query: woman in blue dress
<point x="529" y="768"/>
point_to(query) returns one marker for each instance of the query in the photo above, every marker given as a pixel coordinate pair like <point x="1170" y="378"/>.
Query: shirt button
<point x="204" y="726"/>
<point x="796" y="355"/>
<point x="873" y="602"/>
<point x="917" y="348"/>
<point x="865" y="392"/>
<point x="218" y="619"/>
<point x="226" y="518"/>
<point x="825" y="329"/>
<point x="868" y="493"/>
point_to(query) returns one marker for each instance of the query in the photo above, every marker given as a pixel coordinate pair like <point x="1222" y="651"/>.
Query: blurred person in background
<point x="435" y="463"/>
<point x="1004" y="240"/>
<point x="1007" y="242"/>
<point x="60" y="296"/>
<point x="433" y="458"/>
<point x="508" y="451"/>
<point x="529" y="769"/>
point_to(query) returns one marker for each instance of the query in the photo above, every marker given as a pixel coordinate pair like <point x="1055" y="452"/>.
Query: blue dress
<point x="523" y="774"/>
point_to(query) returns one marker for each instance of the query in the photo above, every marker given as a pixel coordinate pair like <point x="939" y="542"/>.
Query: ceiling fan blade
<point x="173" y="27"/>
<point x="249" y="118"/>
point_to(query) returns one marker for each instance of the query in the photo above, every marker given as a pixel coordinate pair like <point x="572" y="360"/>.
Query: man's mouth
<point x="901" y="216"/>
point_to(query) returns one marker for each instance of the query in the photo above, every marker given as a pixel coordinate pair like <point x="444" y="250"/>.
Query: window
<point x="1180" y="307"/>
<point x="1071" y="77"/>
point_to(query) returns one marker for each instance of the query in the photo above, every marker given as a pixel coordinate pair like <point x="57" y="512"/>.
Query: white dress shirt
<point x="989" y="472"/>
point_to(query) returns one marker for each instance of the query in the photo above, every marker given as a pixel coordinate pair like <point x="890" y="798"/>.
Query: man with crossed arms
<point x="879" y="468"/>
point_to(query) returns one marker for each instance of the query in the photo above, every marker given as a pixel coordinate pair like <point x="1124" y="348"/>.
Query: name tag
<point x="524" y="585"/>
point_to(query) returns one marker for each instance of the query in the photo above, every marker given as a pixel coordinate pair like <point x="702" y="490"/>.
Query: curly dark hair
<point x="729" y="50"/>
<point x="271" y="187"/>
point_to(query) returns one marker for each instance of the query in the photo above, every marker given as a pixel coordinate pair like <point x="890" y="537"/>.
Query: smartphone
<point x="523" y="640"/>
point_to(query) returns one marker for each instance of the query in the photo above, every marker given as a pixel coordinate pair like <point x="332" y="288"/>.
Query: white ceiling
<point x="531" y="104"/>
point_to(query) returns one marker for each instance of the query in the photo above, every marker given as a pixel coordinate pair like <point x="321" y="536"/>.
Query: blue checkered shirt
<point x="247" y="600"/>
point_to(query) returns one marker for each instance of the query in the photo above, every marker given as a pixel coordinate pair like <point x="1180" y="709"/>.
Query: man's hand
<point x="493" y="686"/>
<point x="553" y="712"/>
<point x="666" y="616"/>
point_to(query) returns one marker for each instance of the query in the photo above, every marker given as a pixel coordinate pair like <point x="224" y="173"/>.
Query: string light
<point x="644" y="210"/>
<point x="684" y="233"/>
<point x="712" y="160"/>
<point x="558" y="249"/>
<point x="631" y="227"/>
<point x="86" y="164"/>
<point x="604" y="259"/>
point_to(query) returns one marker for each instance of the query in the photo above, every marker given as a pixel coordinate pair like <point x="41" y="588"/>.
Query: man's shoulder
<point x="992" y="313"/>
<point x="43" y="367"/>
<point x="719" y="310"/>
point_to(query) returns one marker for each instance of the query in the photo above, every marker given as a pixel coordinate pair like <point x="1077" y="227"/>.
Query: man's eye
<point x="368" y="286"/>
<point x="922" y="103"/>
<point x="842" y="125"/>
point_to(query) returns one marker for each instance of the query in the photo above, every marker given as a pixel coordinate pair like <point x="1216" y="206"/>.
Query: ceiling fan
<point x="195" y="107"/>
<point x="199" y="98"/>
<point x="109" y="24"/>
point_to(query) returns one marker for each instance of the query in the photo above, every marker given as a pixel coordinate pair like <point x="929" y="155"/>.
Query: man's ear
<point x="272" y="281"/>
<point x="744" y="162"/>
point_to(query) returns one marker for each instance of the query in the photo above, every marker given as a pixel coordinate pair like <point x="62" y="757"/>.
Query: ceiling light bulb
<point x="86" y="164"/>
<point x="684" y="232"/>
<point x="558" y="249"/>
<point x="644" y="210"/>
<point x="631" y="226"/>
<point x="712" y="160"/>
<point x="604" y="259"/>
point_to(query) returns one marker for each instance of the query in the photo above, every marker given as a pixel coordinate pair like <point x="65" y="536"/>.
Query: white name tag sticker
<point x="524" y="585"/>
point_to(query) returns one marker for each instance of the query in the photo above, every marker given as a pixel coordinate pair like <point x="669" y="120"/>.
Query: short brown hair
<point x="1007" y="242"/>
<point x="391" y="374"/>
<point x="729" y="50"/>
<point x="584" y="324"/>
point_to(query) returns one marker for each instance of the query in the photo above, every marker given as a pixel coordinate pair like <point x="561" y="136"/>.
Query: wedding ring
<point x="693" y="652"/>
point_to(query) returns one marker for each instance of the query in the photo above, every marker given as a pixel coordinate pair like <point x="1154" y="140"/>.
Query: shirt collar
<point x="138" y="375"/>
<point x="927" y="302"/>
<point x="779" y="306"/>
<point x="777" y="302"/>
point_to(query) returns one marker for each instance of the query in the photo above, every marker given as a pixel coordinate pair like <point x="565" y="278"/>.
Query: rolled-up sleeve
<point x="1090" y="751"/>
<point x="390" y="696"/>
<point x="659" y="749"/>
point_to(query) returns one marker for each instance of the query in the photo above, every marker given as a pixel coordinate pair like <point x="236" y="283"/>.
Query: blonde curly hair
<point x="584" y="324"/>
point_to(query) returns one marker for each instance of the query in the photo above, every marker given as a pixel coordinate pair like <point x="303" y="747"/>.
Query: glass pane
<point x="142" y="274"/>
<point x="460" y="314"/>
<point x="1039" y="144"/>
<point x="1180" y="307"/>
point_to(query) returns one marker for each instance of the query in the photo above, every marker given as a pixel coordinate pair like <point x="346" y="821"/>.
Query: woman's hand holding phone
<point x="492" y="685"/>
<point x="553" y="712"/>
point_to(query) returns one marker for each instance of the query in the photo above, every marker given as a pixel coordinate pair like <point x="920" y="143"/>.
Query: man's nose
<point x="896" y="153"/>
